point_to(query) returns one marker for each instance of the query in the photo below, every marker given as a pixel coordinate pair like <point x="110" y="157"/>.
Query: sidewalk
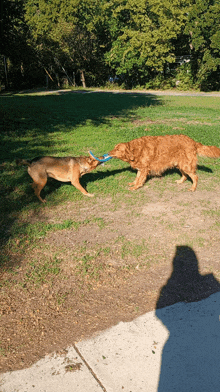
<point x="176" y="348"/>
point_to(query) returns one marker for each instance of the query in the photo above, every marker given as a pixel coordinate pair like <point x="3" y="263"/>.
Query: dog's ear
<point x="91" y="156"/>
<point x="129" y="154"/>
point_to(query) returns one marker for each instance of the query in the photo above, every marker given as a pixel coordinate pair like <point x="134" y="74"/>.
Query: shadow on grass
<point x="37" y="117"/>
<point x="201" y="168"/>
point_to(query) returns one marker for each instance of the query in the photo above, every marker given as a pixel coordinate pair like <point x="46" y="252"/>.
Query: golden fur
<point x="155" y="154"/>
<point x="67" y="169"/>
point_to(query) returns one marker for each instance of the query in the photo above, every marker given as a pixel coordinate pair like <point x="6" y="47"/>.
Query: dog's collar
<point x="105" y="156"/>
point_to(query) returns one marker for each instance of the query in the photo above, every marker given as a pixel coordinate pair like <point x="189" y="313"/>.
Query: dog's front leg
<point x="136" y="179"/>
<point x="75" y="182"/>
<point x="140" y="179"/>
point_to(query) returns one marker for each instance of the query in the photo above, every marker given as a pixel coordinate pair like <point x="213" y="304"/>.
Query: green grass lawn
<point x="72" y="123"/>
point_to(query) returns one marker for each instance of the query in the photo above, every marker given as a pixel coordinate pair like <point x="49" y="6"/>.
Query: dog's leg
<point x="75" y="182"/>
<point x="40" y="180"/>
<point x="38" y="188"/>
<point x="136" y="179"/>
<point x="189" y="169"/>
<point x="140" y="179"/>
<point x="182" y="179"/>
<point x="194" y="178"/>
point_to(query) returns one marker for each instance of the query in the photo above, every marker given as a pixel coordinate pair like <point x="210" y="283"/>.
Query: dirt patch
<point x="170" y="122"/>
<point x="111" y="265"/>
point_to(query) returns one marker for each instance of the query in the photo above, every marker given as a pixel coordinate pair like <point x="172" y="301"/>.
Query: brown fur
<point x="155" y="154"/>
<point x="67" y="169"/>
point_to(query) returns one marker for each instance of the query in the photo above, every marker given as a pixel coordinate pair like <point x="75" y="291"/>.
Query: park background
<point x="113" y="43"/>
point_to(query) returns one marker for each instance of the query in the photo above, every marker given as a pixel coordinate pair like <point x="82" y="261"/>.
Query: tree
<point x="203" y="26"/>
<point x="142" y="35"/>
<point x="66" y="34"/>
<point x="18" y="58"/>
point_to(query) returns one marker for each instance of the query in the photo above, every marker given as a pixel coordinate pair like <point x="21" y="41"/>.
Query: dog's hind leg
<point x="194" y="179"/>
<point x="39" y="183"/>
<point x="182" y="179"/>
<point x="189" y="169"/>
<point x="38" y="186"/>
<point x="37" y="190"/>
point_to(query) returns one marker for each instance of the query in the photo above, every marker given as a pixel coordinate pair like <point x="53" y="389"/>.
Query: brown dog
<point x="155" y="154"/>
<point x="68" y="169"/>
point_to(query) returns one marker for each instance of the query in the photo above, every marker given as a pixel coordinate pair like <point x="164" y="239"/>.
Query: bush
<point x="184" y="78"/>
<point x="160" y="82"/>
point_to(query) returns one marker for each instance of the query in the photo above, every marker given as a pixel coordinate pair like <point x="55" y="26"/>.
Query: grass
<point x="72" y="123"/>
<point x="88" y="267"/>
<point x="41" y="272"/>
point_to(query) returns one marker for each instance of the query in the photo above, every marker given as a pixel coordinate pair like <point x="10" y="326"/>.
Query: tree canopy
<point x="203" y="26"/>
<point x="87" y="41"/>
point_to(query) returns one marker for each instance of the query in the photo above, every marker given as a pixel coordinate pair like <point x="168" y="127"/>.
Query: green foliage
<point x="85" y="42"/>
<point x="184" y="78"/>
<point x="67" y="36"/>
<point x="12" y="26"/>
<point x="143" y="42"/>
<point x="18" y="64"/>
<point x="160" y="82"/>
<point x="203" y="26"/>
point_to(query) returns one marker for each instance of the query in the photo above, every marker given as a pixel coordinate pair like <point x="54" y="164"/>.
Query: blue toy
<point x="106" y="157"/>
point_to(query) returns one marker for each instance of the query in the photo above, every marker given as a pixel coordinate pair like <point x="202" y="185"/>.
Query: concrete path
<point x="176" y="348"/>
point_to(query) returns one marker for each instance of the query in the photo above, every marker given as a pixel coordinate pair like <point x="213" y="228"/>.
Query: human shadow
<point x="190" y="357"/>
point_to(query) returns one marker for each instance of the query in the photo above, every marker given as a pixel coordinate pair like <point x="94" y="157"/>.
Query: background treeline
<point x="134" y="43"/>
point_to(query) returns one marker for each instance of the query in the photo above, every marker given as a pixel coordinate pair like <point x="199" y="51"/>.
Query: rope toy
<point x="105" y="156"/>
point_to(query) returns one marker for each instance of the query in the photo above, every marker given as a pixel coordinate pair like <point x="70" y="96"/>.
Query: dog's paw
<point x="133" y="188"/>
<point x="90" y="194"/>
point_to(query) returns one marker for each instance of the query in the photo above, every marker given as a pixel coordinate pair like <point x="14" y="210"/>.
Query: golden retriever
<point x="155" y="154"/>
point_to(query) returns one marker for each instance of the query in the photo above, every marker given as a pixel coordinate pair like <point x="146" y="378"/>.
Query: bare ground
<point x="121" y="259"/>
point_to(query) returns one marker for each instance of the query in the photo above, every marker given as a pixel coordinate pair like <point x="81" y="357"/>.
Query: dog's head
<point x="122" y="151"/>
<point x="88" y="164"/>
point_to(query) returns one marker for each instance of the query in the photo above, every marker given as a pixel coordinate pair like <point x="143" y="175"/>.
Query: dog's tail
<point x="208" y="151"/>
<point x="23" y="162"/>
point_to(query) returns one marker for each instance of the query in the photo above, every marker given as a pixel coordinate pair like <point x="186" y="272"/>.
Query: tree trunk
<point x="82" y="78"/>
<point x="6" y="73"/>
